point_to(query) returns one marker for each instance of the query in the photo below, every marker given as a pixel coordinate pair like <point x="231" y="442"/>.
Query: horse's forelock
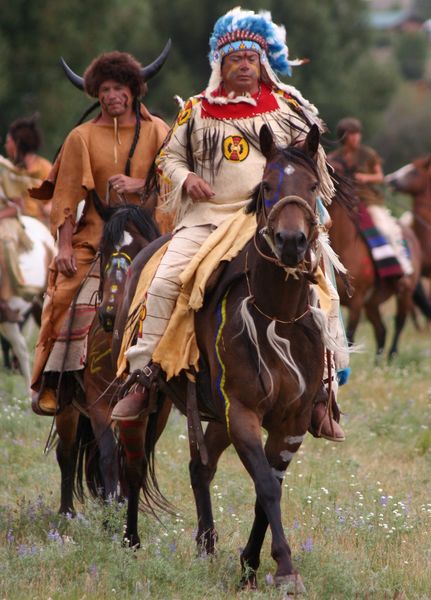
<point x="292" y="154"/>
<point x="113" y="231"/>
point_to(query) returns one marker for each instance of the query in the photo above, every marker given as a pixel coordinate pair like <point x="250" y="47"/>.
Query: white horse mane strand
<point x="277" y="343"/>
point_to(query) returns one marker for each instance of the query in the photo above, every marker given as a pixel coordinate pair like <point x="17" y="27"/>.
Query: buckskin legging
<point x="164" y="290"/>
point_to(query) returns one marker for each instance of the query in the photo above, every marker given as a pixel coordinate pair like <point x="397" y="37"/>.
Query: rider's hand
<point x="197" y="188"/>
<point x="66" y="262"/>
<point x="123" y="184"/>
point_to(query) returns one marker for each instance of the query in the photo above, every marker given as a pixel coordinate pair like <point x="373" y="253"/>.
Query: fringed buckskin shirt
<point x="91" y="154"/>
<point x="219" y="141"/>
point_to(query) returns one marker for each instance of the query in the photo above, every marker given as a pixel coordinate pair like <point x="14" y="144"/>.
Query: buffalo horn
<point x="72" y="76"/>
<point x="153" y="68"/>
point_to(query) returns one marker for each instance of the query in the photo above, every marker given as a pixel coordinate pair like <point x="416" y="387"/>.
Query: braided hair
<point x="135" y="137"/>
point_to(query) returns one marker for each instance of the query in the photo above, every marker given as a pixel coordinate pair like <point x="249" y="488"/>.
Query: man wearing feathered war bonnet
<point x="212" y="160"/>
<point x="103" y="160"/>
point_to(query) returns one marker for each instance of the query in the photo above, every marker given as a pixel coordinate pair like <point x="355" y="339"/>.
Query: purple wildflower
<point x="307" y="546"/>
<point x="54" y="536"/>
<point x="269" y="579"/>
<point x="383" y="500"/>
<point x="10" y="537"/>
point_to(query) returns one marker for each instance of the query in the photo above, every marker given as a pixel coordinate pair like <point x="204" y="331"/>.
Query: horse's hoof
<point x="249" y="583"/>
<point x="132" y="541"/>
<point x="291" y="585"/>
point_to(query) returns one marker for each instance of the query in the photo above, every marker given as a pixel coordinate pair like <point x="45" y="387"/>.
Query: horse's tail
<point x="87" y="464"/>
<point x="421" y="300"/>
<point x="153" y="499"/>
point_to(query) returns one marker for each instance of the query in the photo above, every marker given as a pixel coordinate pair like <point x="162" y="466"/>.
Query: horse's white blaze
<point x="294" y="439"/>
<point x="125" y="240"/>
<point x="289" y="170"/>
<point x="286" y="455"/>
<point x="400" y="173"/>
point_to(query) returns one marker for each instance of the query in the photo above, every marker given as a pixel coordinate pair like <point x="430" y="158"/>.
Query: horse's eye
<point x="265" y="186"/>
<point x="314" y="187"/>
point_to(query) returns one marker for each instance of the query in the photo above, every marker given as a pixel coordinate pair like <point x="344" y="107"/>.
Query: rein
<point x="252" y="301"/>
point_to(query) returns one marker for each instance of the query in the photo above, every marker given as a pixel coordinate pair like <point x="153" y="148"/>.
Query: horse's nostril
<point x="301" y="239"/>
<point x="279" y="238"/>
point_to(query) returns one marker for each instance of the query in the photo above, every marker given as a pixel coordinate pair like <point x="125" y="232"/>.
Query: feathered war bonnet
<point x="246" y="30"/>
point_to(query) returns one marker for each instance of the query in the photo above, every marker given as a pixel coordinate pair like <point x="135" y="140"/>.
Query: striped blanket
<point x="69" y="352"/>
<point x="382" y="253"/>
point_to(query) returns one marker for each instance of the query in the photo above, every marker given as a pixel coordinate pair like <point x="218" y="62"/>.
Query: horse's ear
<point x="266" y="142"/>
<point x="311" y="144"/>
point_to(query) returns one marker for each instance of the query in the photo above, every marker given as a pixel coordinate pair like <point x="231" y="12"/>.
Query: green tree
<point x="341" y="78"/>
<point x="411" y="49"/>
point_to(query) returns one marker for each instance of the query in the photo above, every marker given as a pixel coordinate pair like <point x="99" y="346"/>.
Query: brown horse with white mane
<point x="369" y="292"/>
<point x="262" y="342"/>
<point x="415" y="179"/>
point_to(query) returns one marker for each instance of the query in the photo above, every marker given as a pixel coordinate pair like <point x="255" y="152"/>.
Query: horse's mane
<point x="113" y="230"/>
<point x="293" y="154"/>
<point x="345" y="194"/>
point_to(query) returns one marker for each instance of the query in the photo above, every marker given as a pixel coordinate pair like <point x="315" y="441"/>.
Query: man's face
<point x="115" y="98"/>
<point x="240" y="72"/>
<point x="353" y="139"/>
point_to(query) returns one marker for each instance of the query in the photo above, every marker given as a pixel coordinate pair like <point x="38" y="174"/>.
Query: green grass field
<point x="357" y="515"/>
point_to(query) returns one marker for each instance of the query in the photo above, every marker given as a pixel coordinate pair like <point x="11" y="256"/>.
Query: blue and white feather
<point x="258" y="23"/>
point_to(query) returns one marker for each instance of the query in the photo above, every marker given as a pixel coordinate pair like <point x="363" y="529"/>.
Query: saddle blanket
<point x="382" y="253"/>
<point x="177" y="350"/>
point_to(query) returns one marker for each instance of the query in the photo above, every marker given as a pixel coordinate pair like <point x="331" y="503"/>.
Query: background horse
<point x="36" y="279"/>
<point x="369" y="292"/>
<point x="262" y="351"/>
<point x="86" y="440"/>
<point x="415" y="179"/>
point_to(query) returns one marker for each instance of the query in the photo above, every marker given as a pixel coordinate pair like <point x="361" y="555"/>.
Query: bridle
<point x="123" y="262"/>
<point x="267" y="230"/>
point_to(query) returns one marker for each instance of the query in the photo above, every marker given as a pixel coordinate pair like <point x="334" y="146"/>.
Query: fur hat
<point x="119" y="66"/>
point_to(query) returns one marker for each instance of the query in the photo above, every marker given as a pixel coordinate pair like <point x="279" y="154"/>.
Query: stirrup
<point x="144" y="377"/>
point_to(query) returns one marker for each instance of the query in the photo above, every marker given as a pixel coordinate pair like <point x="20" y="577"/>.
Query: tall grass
<point x="357" y="515"/>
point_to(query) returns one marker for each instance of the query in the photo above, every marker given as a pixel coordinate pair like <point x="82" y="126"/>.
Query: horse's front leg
<point x="132" y="436"/>
<point x="245" y="433"/>
<point x="66" y="424"/>
<point x="354" y="308"/>
<point x="216" y="441"/>
<point x="280" y="449"/>
<point x="404" y="307"/>
<point x="375" y="318"/>
<point x="108" y="460"/>
<point x="139" y="439"/>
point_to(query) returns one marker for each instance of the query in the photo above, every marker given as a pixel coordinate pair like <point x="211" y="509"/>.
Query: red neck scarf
<point x="265" y="102"/>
